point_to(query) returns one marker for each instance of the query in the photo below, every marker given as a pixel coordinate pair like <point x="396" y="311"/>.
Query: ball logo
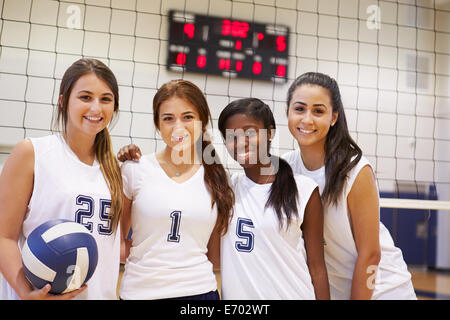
<point x="74" y="282"/>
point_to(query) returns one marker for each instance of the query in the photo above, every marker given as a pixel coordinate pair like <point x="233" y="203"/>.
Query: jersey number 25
<point x="84" y="214"/>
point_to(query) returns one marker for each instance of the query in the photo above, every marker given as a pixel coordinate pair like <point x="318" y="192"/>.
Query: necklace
<point x="269" y="175"/>
<point x="178" y="171"/>
<point x="174" y="168"/>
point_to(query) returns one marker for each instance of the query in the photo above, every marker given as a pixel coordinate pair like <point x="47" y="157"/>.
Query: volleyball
<point x="61" y="253"/>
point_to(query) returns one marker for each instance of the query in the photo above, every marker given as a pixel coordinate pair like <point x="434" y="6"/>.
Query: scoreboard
<point x="227" y="47"/>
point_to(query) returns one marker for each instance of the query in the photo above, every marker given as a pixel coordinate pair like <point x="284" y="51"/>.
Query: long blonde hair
<point x="103" y="148"/>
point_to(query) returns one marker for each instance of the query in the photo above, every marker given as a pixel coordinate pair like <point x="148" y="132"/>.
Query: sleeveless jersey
<point x="259" y="259"/>
<point x="66" y="188"/>
<point x="171" y="225"/>
<point x="393" y="281"/>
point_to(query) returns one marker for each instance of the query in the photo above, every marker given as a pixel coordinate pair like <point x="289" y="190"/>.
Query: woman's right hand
<point x="129" y="152"/>
<point x="43" y="294"/>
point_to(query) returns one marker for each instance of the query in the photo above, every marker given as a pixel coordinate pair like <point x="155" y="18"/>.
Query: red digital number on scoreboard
<point x="235" y="28"/>
<point x="189" y="29"/>
<point x="281" y="43"/>
<point x="201" y="61"/>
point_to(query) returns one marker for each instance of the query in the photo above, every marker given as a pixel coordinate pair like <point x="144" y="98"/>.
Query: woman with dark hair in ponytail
<point x="362" y="261"/>
<point x="177" y="204"/>
<point x="70" y="175"/>
<point x="274" y="246"/>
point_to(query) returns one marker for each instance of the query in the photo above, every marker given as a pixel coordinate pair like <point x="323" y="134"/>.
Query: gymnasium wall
<point x="391" y="59"/>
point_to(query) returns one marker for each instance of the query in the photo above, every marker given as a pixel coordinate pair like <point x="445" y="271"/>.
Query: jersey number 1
<point x="174" y="235"/>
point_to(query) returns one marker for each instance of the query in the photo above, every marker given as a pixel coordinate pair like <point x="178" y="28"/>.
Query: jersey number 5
<point x="246" y="235"/>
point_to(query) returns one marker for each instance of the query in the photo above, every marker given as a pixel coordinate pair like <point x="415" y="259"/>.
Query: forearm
<point x="124" y="250"/>
<point x="125" y="225"/>
<point x="312" y="228"/>
<point x="213" y="253"/>
<point x="363" y="204"/>
<point x="11" y="267"/>
<point x="364" y="276"/>
<point x="319" y="278"/>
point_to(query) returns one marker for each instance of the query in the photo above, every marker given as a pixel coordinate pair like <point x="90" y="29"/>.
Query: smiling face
<point x="179" y="123"/>
<point x="90" y="106"/>
<point x="244" y="139"/>
<point x="310" y="115"/>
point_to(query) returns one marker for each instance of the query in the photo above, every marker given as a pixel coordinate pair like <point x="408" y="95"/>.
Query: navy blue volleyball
<point x="60" y="252"/>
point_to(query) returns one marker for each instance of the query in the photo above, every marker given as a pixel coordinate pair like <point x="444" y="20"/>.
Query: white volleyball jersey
<point x="259" y="260"/>
<point x="66" y="188"/>
<point x="393" y="278"/>
<point x="171" y="223"/>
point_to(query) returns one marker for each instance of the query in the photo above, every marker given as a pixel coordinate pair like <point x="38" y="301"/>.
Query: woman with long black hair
<point x="362" y="261"/>
<point x="274" y="245"/>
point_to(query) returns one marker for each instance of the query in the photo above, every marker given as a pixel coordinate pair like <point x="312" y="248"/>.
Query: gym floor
<point x="431" y="285"/>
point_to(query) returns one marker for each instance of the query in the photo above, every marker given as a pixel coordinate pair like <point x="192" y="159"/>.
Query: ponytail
<point x="216" y="181"/>
<point x="283" y="192"/>
<point x="111" y="172"/>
